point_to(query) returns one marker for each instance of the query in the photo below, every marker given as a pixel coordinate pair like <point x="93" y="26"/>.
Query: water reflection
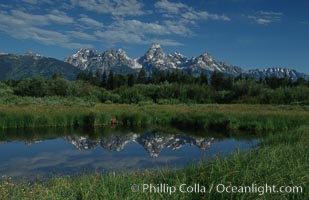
<point x="27" y="153"/>
<point x="152" y="142"/>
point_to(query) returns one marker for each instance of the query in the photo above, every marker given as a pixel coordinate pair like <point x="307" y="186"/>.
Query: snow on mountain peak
<point x="277" y="72"/>
<point x="121" y="51"/>
<point x="155" y="59"/>
<point x="81" y="58"/>
<point x="155" y="46"/>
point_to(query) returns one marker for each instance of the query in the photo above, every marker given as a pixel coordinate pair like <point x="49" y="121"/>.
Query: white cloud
<point x="39" y="28"/>
<point x="166" y="42"/>
<point x="180" y="10"/>
<point x="136" y="32"/>
<point x="178" y="27"/>
<point x="126" y="22"/>
<point x="113" y="7"/>
<point x="203" y="15"/>
<point x="89" y="22"/>
<point x="81" y="35"/>
<point x="23" y="25"/>
<point x="55" y="16"/>
<point x="59" y="17"/>
<point x="170" y="7"/>
<point x="112" y="37"/>
<point x="262" y="21"/>
<point x="265" y="18"/>
<point x="36" y="2"/>
<point x="179" y="18"/>
<point x="138" y="27"/>
<point x="31" y="1"/>
<point x="43" y="1"/>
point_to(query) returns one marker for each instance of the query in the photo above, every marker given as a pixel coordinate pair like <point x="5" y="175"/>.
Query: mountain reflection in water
<point x="152" y="142"/>
<point x="28" y="153"/>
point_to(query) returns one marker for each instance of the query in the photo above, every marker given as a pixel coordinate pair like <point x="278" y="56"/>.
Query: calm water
<point x="28" y="153"/>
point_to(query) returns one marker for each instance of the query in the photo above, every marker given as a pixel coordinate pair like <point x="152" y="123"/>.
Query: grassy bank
<point x="223" y="117"/>
<point x="280" y="160"/>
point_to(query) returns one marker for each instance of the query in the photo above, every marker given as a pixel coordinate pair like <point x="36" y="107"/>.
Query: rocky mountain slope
<point x="155" y="59"/>
<point x="88" y="59"/>
<point x="278" y="72"/>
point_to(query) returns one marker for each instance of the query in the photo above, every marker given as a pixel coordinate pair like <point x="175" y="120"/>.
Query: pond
<point x="29" y="153"/>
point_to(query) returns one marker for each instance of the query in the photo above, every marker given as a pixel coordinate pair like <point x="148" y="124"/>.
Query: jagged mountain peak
<point x="178" y="59"/>
<point x="155" y="52"/>
<point x="121" y="51"/>
<point x="155" y="46"/>
<point x="116" y="53"/>
<point x="207" y="64"/>
<point x="277" y="72"/>
<point x="87" y="51"/>
<point x="109" y="52"/>
<point x="116" y="60"/>
<point x="155" y="59"/>
<point x="205" y="56"/>
<point x="276" y="69"/>
<point x="82" y="58"/>
<point x="177" y="54"/>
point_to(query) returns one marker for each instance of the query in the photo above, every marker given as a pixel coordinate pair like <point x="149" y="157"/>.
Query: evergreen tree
<point x="110" y="80"/>
<point x="81" y="76"/>
<point x="217" y="79"/>
<point x="131" y="80"/>
<point x="203" y="79"/>
<point x="96" y="78"/>
<point x="104" y="80"/>
<point x="90" y="76"/>
<point x="174" y="77"/>
<point x="158" y="76"/>
<point x="301" y="82"/>
<point x="238" y="78"/>
<point x="142" y="76"/>
<point x="220" y="82"/>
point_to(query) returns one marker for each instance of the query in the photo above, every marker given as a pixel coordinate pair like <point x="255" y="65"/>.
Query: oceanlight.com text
<point x="219" y="188"/>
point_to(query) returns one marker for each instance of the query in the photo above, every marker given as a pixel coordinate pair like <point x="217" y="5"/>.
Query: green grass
<point x="202" y="117"/>
<point x="281" y="159"/>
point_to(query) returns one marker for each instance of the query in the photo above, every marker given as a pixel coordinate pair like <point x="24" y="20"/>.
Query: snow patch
<point x="136" y="65"/>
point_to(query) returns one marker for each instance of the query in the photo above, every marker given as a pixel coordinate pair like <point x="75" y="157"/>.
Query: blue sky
<point x="246" y="33"/>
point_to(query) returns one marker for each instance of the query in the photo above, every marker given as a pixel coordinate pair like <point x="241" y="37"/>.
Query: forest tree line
<point x="163" y="87"/>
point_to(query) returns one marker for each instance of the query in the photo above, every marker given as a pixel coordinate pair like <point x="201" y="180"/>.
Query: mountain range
<point x="155" y="59"/>
<point x="32" y="65"/>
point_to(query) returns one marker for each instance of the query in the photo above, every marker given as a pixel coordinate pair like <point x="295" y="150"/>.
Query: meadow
<point x="195" y="116"/>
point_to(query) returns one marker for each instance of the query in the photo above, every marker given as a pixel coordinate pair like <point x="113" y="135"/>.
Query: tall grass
<point x="222" y="117"/>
